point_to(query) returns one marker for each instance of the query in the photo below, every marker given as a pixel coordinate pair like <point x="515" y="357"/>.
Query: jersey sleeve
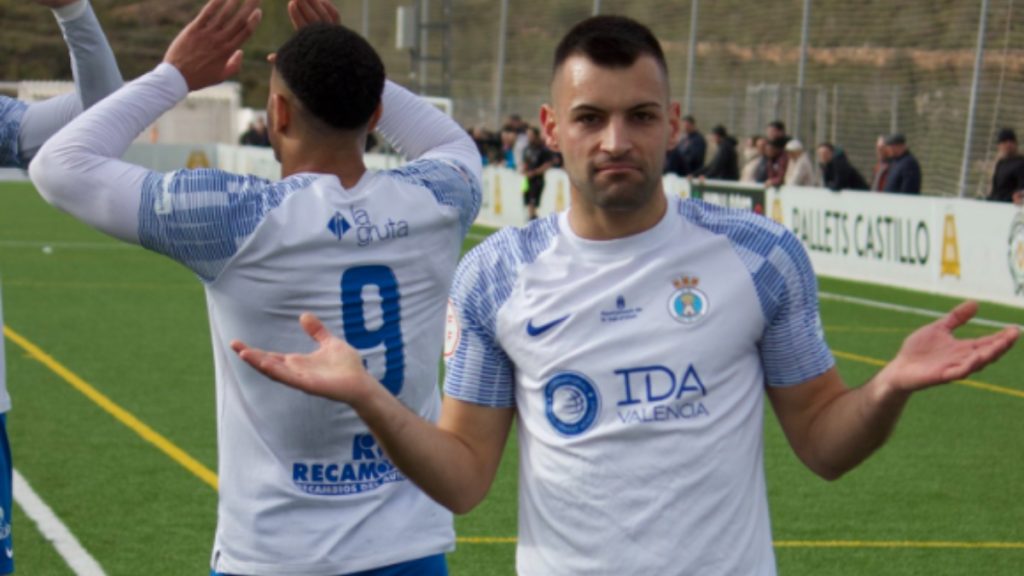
<point x="11" y="114"/>
<point x="444" y="159"/>
<point x="452" y="184"/>
<point x="477" y="369"/>
<point x="202" y="217"/>
<point x="793" y="348"/>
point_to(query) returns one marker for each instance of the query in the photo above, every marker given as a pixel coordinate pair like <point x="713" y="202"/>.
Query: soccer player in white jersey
<point x="23" y="129"/>
<point x="634" y="340"/>
<point x="304" y="487"/>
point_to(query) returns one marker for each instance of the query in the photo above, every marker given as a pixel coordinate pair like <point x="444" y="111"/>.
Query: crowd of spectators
<point x="773" y="159"/>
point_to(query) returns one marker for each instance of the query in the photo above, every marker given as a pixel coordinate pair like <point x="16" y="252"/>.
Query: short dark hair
<point x="827" y="145"/>
<point x="610" y="41"/>
<point x="334" y="72"/>
<point x="689" y="118"/>
<point x="778" y="125"/>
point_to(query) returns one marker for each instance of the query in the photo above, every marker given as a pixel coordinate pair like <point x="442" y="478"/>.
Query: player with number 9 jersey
<point x="304" y="488"/>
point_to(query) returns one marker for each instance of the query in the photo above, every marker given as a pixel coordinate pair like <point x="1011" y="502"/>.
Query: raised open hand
<point x="335" y="370"/>
<point x="207" y="51"/>
<point x="933" y="355"/>
<point x="305" y="12"/>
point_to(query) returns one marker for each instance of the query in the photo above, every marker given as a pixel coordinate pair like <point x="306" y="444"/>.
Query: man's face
<point x="824" y="155"/>
<point x="613" y="127"/>
<point x="772" y="132"/>
<point x="1006" y="148"/>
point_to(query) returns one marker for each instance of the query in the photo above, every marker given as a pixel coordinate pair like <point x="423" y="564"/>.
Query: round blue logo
<point x="572" y="403"/>
<point x="688" y="305"/>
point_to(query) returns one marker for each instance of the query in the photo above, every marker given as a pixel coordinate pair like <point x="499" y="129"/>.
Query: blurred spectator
<point x="512" y="145"/>
<point x="776" y="129"/>
<point x="724" y="165"/>
<point x="537" y="159"/>
<point x="799" y="171"/>
<point x="753" y="160"/>
<point x="688" y="156"/>
<point x="836" y="171"/>
<point x="776" y="162"/>
<point x="1008" y="179"/>
<point x="256" y="135"/>
<point x="904" y="172"/>
<point x="881" y="170"/>
<point x="488" y="144"/>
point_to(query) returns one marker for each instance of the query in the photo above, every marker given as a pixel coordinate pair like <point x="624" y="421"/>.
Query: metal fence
<point x="944" y="72"/>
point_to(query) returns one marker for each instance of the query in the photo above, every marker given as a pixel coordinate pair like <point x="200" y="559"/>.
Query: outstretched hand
<point x="207" y="51"/>
<point x="305" y="12"/>
<point x="335" y="370"/>
<point x="933" y="355"/>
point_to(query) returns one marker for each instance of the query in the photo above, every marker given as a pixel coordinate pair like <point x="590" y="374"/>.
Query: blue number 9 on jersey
<point x="390" y="332"/>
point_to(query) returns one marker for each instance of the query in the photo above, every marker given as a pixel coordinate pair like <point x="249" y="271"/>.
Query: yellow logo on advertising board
<point x="777" y="210"/>
<point x="950" y="248"/>
<point x="560" y="197"/>
<point x="197" y="159"/>
<point x="497" y="193"/>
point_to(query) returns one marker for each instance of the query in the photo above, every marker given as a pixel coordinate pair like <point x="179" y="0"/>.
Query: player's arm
<point x="78" y="170"/>
<point x="454" y="461"/>
<point x="93" y="66"/>
<point x="833" y="428"/>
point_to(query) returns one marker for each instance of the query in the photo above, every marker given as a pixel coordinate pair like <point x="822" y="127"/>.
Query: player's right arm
<point x="25" y="127"/>
<point x="454" y="461"/>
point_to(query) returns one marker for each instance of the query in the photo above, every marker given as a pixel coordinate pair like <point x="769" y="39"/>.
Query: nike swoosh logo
<point x="538" y="330"/>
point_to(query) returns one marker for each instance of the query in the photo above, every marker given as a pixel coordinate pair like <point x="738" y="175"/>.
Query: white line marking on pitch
<point x="66" y="245"/>
<point x="80" y="561"/>
<point x="907" y="309"/>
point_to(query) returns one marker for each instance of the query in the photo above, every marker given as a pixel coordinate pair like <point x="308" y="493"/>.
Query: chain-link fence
<point x="869" y="68"/>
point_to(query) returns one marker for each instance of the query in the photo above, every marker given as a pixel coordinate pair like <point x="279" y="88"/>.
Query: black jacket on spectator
<point x="1008" y="178"/>
<point x="839" y="174"/>
<point x="724" y="165"/>
<point x="688" y="156"/>
<point x="904" y="175"/>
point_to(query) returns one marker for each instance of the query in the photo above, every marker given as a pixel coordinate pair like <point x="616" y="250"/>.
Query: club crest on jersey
<point x="687" y="304"/>
<point x="571" y="403"/>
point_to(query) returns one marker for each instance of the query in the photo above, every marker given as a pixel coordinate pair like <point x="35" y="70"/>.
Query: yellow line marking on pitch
<point x="895" y="544"/>
<point x="969" y="383"/>
<point x="122" y="415"/>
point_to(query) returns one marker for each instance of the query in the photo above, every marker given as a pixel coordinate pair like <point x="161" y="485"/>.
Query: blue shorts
<point x="6" y="512"/>
<point x="429" y="566"/>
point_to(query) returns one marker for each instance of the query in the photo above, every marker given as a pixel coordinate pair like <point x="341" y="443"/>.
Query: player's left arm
<point x="94" y="69"/>
<point x="833" y="428"/>
<point x="79" y="171"/>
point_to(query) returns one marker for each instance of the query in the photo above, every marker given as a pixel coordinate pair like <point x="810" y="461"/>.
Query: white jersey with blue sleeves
<point x="304" y="487"/>
<point x="11" y="114"/>
<point x="637" y="368"/>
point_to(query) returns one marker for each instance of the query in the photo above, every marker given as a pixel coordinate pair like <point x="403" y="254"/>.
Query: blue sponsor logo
<point x="621" y="311"/>
<point x="571" y="403"/>
<point x="338" y="225"/>
<point x="367" y="230"/>
<point x="368" y="470"/>
<point x="657" y="394"/>
<point x="538" y="330"/>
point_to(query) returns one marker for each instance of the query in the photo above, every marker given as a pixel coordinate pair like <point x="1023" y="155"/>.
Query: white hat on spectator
<point x="794" y="145"/>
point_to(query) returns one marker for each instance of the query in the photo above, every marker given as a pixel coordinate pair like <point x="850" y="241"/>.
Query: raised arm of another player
<point x="833" y="428"/>
<point x="78" y="169"/>
<point x="454" y="462"/>
<point x="93" y="66"/>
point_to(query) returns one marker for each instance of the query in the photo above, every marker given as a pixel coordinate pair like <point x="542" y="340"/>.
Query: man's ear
<point x="375" y="118"/>
<point x="549" y="127"/>
<point x="675" y="125"/>
<point x="282" y="116"/>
